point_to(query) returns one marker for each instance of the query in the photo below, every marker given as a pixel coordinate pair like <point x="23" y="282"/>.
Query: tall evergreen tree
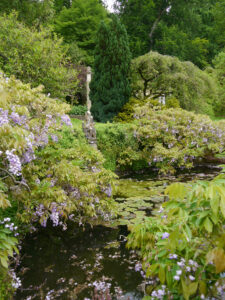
<point x="110" y="87"/>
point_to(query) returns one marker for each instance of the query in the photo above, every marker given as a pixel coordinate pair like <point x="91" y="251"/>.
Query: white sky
<point x="110" y="4"/>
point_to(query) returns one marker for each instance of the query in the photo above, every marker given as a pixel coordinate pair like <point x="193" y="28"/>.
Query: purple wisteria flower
<point x="3" y="117"/>
<point x="66" y="120"/>
<point x="165" y="235"/>
<point x="14" y="163"/>
<point x="54" y="138"/>
<point x="17" y="119"/>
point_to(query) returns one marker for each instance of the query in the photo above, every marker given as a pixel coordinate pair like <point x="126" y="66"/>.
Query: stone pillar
<point x="88" y="88"/>
<point x="88" y="124"/>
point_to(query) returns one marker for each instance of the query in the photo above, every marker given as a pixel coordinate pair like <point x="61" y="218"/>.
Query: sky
<point x="110" y="4"/>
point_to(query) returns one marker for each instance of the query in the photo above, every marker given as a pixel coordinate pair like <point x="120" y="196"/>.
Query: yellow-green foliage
<point x="183" y="244"/>
<point x="154" y="75"/>
<point x="43" y="60"/>
<point x="172" y="102"/>
<point x="127" y="113"/>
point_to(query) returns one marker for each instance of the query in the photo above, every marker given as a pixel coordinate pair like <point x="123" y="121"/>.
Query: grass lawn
<point x="217" y="118"/>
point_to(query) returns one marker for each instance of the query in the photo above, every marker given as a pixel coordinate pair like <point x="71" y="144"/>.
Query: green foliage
<point x="78" y="110"/>
<point x="176" y="138"/>
<point x="6" y="289"/>
<point x="110" y="87"/>
<point x="119" y="147"/>
<point x="183" y="244"/>
<point x="178" y="43"/>
<point x="41" y="61"/>
<point x="8" y="246"/>
<point x="191" y="30"/>
<point x="172" y="102"/>
<point x="126" y="115"/>
<point x="219" y="64"/>
<point x="79" y="24"/>
<point x="32" y="13"/>
<point x="219" y="23"/>
<point x="128" y="111"/>
<point x="155" y="75"/>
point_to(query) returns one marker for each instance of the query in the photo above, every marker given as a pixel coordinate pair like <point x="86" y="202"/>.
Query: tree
<point x="219" y="71"/>
<point x="110" y="88"/>
<point x="174" y="27"/>
<point x="31" y="12"/>
<point x="36" y="57"/>
<point x="154" y="75"/>
<point x="79" y="24"/>
<point x="59" y="4"/>
<point x="219" y="22"/>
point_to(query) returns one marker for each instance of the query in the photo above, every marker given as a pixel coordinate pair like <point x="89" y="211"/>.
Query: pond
<point x="93" y="262"/>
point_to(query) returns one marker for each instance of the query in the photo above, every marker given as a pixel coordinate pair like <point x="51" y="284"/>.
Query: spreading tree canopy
<point x="154" y="75"/>
<point x="110" y="87"/>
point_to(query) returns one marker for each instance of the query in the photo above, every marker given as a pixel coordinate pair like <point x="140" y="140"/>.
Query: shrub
<point x="36" y="57"/>
<point x="183" y="245"/>
<point x="119" y="147"/>
<point x="78" y="110"/>
<point x="172" y="102"/>
<point x="173" y="138"/>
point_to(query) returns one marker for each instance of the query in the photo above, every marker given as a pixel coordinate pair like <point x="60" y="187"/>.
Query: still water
<point x="91" y="263"/>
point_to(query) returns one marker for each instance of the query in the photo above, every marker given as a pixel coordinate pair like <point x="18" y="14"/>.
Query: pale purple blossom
<point x="3" y="117"/>
<point x="66" y="120"/>
<point x="14" y="163"/>
<point x="165" y="235"/>
<point x="176" y="277"/>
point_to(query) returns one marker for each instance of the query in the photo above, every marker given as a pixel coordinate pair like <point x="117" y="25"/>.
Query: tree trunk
<point x="155" y="24"/>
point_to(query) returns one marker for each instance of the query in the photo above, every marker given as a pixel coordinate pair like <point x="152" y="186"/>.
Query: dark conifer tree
<point x="110" y="88"/>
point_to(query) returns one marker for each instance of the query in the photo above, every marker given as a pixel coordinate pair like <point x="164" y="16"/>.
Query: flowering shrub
<point x="183" y="245"/>
<point x="49" y="178"/>
<point x="176" y="138"/>
<point x="48" y="172"/>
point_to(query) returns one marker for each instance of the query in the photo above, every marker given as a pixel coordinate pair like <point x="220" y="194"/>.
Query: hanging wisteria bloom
<point x="14" y="163"/>
<point x="66" y="120"/>
<point x="17" y="119"/>
<point x="3" y="117"/>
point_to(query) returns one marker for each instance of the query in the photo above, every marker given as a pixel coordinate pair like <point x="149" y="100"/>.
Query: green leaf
<point x="202" y="287"/>
<point x="185" y="290"/>
<point x="176" y="191"/>
<point x="208" y="225"/>
<point x="214" y="203"/>
<point x="4" y="262"/>
<point x="162" y="275"/>
<point x="222" y="206"/>
<point x="193" y="288"/>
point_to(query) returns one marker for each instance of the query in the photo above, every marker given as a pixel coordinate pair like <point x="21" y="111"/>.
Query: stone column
<point x="88" y="124"/>
<point x="88" y="88"/>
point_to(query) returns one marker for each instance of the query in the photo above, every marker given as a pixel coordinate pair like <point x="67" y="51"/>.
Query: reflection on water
<point x="70" y="265"/>
<point x="93" y="263"/>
